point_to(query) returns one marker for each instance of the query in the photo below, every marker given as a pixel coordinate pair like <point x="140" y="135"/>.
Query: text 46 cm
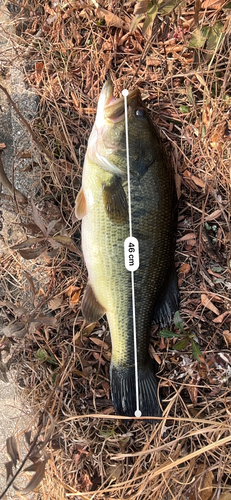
<point x="131" y="253"/>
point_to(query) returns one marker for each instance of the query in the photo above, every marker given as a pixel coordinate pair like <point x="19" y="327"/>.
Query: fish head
<point x="107" y="143"/>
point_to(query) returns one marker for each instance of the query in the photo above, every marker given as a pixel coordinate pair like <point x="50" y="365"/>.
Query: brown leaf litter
<point x="183" y="72"/>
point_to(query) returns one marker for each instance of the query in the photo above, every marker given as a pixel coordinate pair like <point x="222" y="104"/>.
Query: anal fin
<point x="91" y="308"/>
<point x="115" y="201"/>
<point x="80" y="205"/>
<point x="168" y="301"/>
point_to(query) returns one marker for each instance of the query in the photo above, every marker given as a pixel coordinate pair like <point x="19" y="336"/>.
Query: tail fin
<point x="123" y="390"/>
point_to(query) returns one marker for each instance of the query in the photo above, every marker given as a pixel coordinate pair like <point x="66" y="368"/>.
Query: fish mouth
<point x="114" y="108"/>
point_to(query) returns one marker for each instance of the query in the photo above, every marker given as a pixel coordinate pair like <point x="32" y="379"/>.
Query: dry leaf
<point x="27" y="243"/>
<point x="51" y="225"/>
<point x="178" y="180"/>
<point x="206" y="302"/>
<point x="12" y="449"/>
<point x="114" y="471"/>
<point x="3" y="369"/>
<point x="100" y="342"/>
<point x="79" y="373"/>
<point x="33" y="467"/>
<point x="207" y="243"/>
<point x="45" y="320"/>
<point x="27" y="435"/>
<point x="217" y="275"/>
<point x="193" y="391"/>
<point x="203" y="371"/>
<point x="38" y="219"/>
<point x="18" y="311"/>
<point x="111" y="19"/>
<point x="99" y="358"/>
<point x="77" y="457"/>
<point x="153" y="61"/>
<point x="187" y="237"/>
<point x="33" y="253"/>
<point x="206" y="115"/>
<point x="71" y="290"/>
<point x="16" y="329"/>
<point x="107" y="355"/>
<point x="154" y="354"/>
<point x="195" y="179"/>
<point x="220" y="318"/>
<point x="227" y="337"/>
<point x="49" y="433"/>
<point x="36" y="479"/>
<point x="9" y="469"/>
<point x="75" y="297"/>
<point x="214" y="215"/>
<point x="84" y="482"/>
<point x="217" y="137"/>
<point x="135" y="22"/>
<point x="65" y="241"/>
<point x="35" y="455"/>
<point x="56" y="302"/>
<point x="207" y="483"/>
<point x="202" y="82"/>
<point x="213" y="4"/>
<point x="109" y="411"/>
<point x="24" y="154"/>
<point x="162" y="344"/>
<point x="41" y="321"/>
<point x="226" y="495"/>
<point x="21" y="198"/>
<point x="39" y="66"/>
<point x="88" y="329"/>
<point x="185" y="268"/>
<point x="190" y="244"/>
<point x="31" y="283"/>
<point x="141" y="7"/>
<point x="106" y="388"/>
<point x="204" y="486"/>
<point x="87" y="372"/>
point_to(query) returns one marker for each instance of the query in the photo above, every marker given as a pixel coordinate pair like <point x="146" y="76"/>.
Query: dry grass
<point x="67" y="53"/>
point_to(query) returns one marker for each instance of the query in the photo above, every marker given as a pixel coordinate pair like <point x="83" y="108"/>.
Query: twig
<point x="24" y="460"/>
<point x="27" y="125"/>
<point x="15" y="193"/>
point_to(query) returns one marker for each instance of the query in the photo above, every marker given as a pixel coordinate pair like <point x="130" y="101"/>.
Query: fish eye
<point x="140" y="113"/>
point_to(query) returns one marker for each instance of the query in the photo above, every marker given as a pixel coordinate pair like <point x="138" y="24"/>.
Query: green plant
<point x="185" y="337"/>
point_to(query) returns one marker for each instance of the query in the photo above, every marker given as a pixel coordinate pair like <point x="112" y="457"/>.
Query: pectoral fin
<point x="80" y="205"/>
<point x="91" y="308"/>
<point x="115" y="201"/>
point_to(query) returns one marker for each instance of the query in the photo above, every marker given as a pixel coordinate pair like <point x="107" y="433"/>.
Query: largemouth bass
<point x="102" y="204"/>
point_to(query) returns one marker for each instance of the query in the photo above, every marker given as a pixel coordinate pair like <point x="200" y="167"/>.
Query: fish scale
<point x="105" y="226"/>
